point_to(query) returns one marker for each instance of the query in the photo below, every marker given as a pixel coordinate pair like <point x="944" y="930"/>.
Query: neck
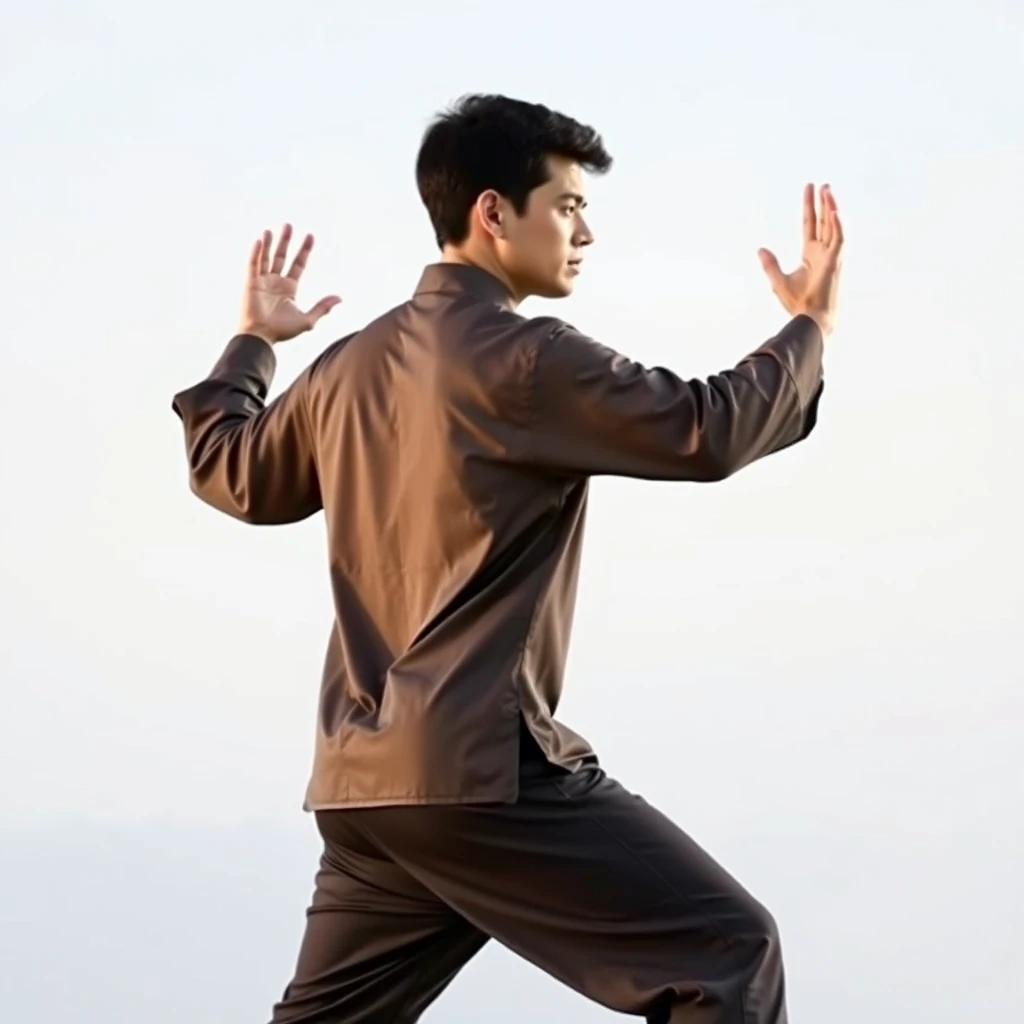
<point x="465" y="256"/>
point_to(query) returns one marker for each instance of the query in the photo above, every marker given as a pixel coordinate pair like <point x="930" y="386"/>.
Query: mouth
<point x="574" y="265"/>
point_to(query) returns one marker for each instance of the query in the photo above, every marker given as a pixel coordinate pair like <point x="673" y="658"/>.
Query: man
<point x="449" y="444"/>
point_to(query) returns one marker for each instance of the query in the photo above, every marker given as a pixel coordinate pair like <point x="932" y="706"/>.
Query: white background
<point x="815" y="667"/>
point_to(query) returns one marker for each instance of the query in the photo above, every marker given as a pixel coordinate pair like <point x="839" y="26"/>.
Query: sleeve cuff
<point x="248" y="354"/>
<point x="799" y="347"/>
<point x="245" y="356"/>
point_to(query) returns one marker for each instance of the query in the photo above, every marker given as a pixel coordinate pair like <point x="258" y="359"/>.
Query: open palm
<point x="269" y="309"/>
<point x="811" y="288"/>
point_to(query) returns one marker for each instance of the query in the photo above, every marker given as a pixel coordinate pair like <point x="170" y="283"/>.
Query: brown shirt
<point x="449" y="444"/>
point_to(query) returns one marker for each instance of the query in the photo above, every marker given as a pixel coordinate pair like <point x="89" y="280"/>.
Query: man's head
<point x="502" y="181"/>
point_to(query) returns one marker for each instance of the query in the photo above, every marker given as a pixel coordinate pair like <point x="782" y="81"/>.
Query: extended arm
<point x="593" y="411"/>
<point x="597" y="412"/>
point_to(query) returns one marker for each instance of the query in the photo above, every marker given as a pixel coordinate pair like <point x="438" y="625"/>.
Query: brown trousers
<point x="580" y="877"/>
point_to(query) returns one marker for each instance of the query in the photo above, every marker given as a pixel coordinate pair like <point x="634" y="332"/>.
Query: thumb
<point x="322" y="308"/>
<point x="771" y="267"/>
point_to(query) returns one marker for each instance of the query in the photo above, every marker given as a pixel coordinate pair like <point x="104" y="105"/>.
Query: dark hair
<point x="493" y="142"/>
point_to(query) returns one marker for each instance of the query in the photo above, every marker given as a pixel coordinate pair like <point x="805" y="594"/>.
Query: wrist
<point x="255" y="331"/>
<point x="821" y="317"/>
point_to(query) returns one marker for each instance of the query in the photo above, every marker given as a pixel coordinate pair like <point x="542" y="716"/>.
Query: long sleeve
<point x="595" y="412"/>
<point x="252" y="461"/>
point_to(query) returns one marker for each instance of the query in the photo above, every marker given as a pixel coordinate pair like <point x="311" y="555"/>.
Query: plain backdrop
<point x="815" y="667"/>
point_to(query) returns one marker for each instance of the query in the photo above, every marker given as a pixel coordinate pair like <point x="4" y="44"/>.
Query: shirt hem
<point x="407" y="801"/>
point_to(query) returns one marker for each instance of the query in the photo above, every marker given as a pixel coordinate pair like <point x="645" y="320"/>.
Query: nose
<point x="583" y="235"/>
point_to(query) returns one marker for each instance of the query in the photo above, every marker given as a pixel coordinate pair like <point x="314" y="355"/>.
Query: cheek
<point x="558" y="236"/>
<point x="544" y="243"/>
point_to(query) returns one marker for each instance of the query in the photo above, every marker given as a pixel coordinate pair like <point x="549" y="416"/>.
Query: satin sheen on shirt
<point x="449" y="444"/>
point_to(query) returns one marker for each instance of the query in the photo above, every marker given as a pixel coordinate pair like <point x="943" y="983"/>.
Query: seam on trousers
<point x="668" y="885"/>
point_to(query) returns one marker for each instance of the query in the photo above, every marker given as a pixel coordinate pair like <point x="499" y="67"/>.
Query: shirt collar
<point x="459" y="278"/>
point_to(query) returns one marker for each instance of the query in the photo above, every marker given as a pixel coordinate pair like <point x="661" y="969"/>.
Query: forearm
<point x="782" y="408"/>
<point x="247" y="459"/>
<point x="599" y="412"/>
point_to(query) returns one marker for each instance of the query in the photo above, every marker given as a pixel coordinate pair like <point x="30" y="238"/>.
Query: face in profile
<point x="541" y="251"/>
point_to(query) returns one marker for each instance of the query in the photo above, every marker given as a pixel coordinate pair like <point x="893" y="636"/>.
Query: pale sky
<point x="814" y="668"/>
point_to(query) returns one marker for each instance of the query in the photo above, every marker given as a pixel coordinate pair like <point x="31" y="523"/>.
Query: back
<point x="444" y="547"/>
<point x="449" y="445"/>
<point x="420" y="427"/>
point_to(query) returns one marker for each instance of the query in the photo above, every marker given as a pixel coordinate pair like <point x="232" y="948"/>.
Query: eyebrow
<point x="575" y="197"/>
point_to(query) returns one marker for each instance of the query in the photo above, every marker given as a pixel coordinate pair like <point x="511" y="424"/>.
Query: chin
<point x="558" y="289"/>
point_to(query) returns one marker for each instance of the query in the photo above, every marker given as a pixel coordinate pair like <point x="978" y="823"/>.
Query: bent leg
<point x="596" y="887"/>
<point x="378" y="948"/>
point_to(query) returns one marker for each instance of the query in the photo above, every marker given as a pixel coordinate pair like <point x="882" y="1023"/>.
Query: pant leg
<point x="596" y="887"/>
<point x="378" y="947"/>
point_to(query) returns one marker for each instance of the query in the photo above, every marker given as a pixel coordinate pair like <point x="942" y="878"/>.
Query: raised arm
<point x="252" y="461"/>
<point x="597" y="412"/>
<point x="594" y="411"/>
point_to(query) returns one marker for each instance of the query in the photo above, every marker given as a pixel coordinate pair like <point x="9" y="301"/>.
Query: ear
<point x="491" y="212"/>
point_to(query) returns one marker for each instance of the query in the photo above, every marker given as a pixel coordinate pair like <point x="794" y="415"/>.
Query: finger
<point x="265" y="252"/>
<point x="255" y="255"/>
<point x="301" y="258"/>
<point x="322" y="308"/>
<point x="810" y="217"/>
<point x="824" y="215"/>
<point x="771" y="267"/>
<point x="281" y="253"/>
<point x="836" y="242"/>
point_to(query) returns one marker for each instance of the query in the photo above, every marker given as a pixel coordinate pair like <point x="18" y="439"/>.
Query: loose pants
<point x="580" y="877"/>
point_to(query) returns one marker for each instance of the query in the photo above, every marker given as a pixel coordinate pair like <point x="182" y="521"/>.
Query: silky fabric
<point x="580" y="877"/>
<point x="449" y="445"/>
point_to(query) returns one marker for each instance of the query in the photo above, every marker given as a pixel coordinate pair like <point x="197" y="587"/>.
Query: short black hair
<point x="493" y="142"/>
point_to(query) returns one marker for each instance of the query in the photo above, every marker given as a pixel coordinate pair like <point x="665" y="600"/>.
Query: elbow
<point x="218" y="478"/>
<point x="720" y="472"/>
<point x="720" y="468"/>
<point x="252" y="506"/>
<point x="214" y="485"/>
<point x="229" y="505"/>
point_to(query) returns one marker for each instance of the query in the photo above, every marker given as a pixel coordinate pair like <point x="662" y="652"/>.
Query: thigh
<point x="591" y="883"/>
<point x="378" y="945"/>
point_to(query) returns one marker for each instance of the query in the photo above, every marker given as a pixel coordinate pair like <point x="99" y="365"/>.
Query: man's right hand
<point x="811" y="288"/>
<point x="268" y="303"/>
